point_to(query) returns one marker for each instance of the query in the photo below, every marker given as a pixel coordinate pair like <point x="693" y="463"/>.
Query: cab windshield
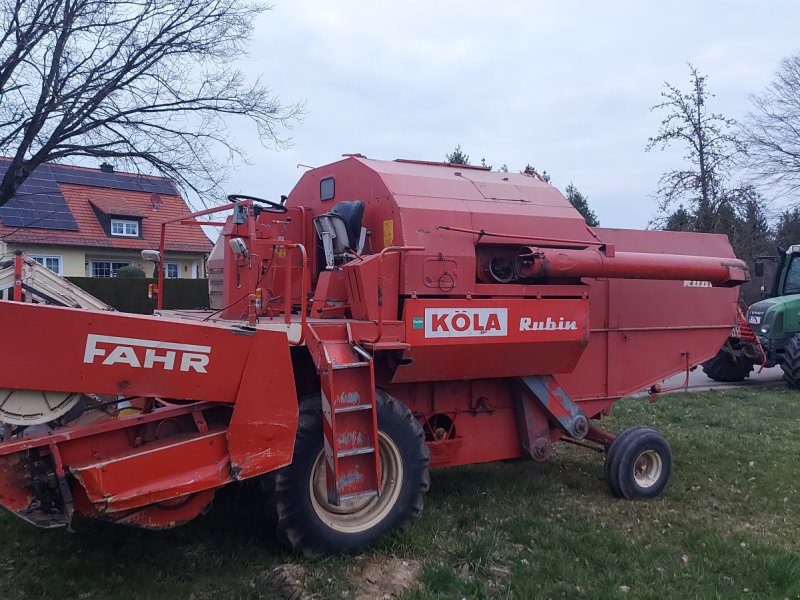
<point x="792" y="283"/>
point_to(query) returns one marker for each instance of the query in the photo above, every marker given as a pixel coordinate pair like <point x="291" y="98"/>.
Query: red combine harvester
<point x="388" y="317"/>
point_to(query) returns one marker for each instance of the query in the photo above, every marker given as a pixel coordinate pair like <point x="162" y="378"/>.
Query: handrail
<point x="381" y="255"/>
<point x="287" y="294"/>
<point x="163" y="242"/>
<point x="18" y="276"/>
<point x="481" y="233"/>
<point x="189" y="219"/>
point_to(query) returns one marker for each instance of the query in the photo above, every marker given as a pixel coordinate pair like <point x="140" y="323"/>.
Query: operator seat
<point x="352" y="213"/>
<point x="340" y="231"/>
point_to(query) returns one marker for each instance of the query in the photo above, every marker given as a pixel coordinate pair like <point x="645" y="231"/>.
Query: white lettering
<point x="196" y="362"/>
<point x="128" y="351"/>
<point x="150" y="358"/>
<point x="92" y="350"/>
<point x="123" y="354"/>
<point x="528" y="324"/>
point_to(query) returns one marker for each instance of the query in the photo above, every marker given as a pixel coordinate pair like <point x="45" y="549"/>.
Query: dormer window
<point x="124" y="228"/>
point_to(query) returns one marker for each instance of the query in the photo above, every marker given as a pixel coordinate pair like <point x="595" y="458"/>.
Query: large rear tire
<point x="725" y="367"/>
<point x="791" y="362"/>
<point x="306" y="522"/>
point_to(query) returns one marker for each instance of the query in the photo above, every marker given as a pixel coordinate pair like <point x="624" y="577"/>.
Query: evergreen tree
<point x="787" y="229"/>
<point x="457" y="157"/>
<point x="581" y="204"/>
<point x="530" y="170"/>
<point x="679" y="220"/>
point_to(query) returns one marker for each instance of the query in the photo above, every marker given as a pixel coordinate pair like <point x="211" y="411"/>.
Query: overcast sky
<point x="566" y="86"/>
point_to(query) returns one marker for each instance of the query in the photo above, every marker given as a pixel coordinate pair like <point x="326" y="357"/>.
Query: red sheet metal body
<point x="238" y="417"/>
<point x="641" y="329"/>
<point x="496" y="358"/>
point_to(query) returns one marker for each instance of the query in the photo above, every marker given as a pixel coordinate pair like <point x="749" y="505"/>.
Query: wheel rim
<point x="359" y="515"/>
<point x="647" y="469"/>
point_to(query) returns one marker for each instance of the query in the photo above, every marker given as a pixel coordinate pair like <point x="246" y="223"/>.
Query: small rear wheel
<point x="307" y="522"/>
<point x="638" y="464"/>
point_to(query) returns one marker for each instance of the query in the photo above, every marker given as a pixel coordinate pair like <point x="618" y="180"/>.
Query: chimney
<point x="106" y="167"/>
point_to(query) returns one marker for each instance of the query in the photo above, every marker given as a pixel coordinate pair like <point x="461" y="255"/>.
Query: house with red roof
<point x="87" y="222"/>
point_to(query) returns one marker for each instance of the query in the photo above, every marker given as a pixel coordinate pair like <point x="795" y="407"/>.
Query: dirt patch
<point x="382" y="577"/>
<point x="287" y="579"/>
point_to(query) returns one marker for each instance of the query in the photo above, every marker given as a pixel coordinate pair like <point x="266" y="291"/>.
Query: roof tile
<point x="79" y="199"/>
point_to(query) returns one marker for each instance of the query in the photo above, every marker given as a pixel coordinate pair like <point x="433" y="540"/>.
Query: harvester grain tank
<point x="389" y="318"/>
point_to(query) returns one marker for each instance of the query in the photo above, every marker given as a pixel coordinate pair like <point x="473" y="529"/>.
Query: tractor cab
<point x="775" y="318"/>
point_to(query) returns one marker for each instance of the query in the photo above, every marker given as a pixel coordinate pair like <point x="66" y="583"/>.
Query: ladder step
<point x="355" y="451"/>
<point x="350" y="365"/>
<point x="387" y="346"/>
<point x="360" y="495"/>
<point x="355" y="407"/>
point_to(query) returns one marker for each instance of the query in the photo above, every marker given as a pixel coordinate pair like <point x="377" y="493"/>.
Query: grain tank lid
<point x="407" y="178"/>
<point x="513" y="204"/>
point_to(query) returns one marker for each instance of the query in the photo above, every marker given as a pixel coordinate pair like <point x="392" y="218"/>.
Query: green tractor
<point x="771" y="335"/>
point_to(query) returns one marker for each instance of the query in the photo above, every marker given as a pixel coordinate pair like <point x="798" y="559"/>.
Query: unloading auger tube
<point x="390" y="318"/>
<point x="533" y="262"/>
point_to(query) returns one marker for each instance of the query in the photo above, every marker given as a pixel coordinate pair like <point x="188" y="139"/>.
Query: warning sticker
<point x="388" y="232"/>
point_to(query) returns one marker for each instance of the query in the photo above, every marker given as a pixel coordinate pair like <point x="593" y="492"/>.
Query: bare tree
<point x="149" y="84"/>
<point x="711" y="146"/>
<point x="772" y="130"/>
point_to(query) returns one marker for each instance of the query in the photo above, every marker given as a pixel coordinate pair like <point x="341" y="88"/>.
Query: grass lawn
<point x="728" y="526"/>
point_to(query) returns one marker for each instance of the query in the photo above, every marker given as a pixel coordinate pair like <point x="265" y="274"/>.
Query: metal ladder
<point x="350" y="422"/>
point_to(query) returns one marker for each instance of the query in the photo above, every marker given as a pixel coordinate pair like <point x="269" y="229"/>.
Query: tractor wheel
<point x="791" y="362"/>
<point x="638" y="464"/>
<point x="307" y="522"/>
<point x="726" y="368"/>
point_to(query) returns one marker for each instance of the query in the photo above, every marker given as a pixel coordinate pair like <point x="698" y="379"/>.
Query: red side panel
<point x="131" y="461"/>
<point x="72" y="350"/>
<point x="504" y="337"/>
<point x="644" y="331"/>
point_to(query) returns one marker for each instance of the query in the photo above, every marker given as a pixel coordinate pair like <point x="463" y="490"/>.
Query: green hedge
<point x="130" y="294"/>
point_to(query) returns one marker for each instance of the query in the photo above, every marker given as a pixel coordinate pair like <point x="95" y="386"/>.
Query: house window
<point x="108" y="268"/>
<point x="51" y="262"/>
<point x="170" y="270"/>
<point x="124" y="228"/>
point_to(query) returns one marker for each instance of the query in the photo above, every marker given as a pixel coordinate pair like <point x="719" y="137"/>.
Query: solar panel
<point x="39" y="202"/>
<point x="116" y="181"/>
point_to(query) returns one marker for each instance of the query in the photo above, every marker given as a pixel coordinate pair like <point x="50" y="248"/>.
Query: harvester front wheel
<point x="307" y="522"/>
<point x="638" y="464"/>
<point x="728" y="368"/>
<point x="791" y="362"/>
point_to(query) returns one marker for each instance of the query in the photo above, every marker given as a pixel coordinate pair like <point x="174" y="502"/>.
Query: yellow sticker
<point x="280" y="252"/>
<point x="388" y="233"/>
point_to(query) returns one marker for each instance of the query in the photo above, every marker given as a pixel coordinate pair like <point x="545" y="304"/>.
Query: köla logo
<point x="465" y="322"/>
<point x="146" y="354"/>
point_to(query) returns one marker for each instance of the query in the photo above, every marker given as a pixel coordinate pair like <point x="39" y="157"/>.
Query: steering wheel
<point x="271" y="207"/>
